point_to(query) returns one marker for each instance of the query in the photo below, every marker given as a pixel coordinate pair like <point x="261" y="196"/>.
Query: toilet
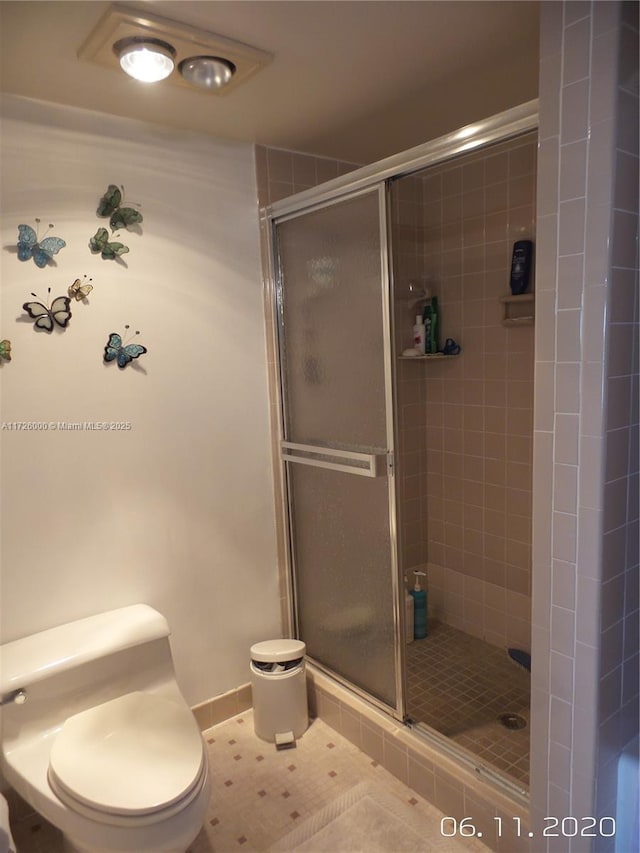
<point x="98" y="738"/>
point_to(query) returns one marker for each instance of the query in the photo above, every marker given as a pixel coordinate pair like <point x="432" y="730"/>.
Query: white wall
<point x="178" y="511"/>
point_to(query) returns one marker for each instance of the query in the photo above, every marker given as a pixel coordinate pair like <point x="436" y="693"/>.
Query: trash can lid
<point x="278" y="651"/>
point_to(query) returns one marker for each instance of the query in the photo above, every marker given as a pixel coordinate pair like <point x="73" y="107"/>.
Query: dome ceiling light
<point x="148" y="60"/>
<point x="207" y="72"/>
<point x="149" y="48"/>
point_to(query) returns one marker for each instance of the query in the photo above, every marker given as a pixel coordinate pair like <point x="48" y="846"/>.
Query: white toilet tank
<point x="67" y="669"/>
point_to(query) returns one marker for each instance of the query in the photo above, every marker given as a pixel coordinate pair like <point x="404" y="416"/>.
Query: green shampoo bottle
<point x="432" y="324"/>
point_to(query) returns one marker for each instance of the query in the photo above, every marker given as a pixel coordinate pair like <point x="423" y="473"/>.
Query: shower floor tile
<point x="459" y="685"/>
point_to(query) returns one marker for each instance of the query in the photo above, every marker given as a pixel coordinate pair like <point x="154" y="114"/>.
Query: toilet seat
<point x="135" y="759"/>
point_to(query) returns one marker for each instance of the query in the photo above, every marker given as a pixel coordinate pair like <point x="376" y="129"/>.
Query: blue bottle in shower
<point x="419" y="609"/>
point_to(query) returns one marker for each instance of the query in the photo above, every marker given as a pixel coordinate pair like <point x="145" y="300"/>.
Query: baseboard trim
<point x="222" y="707"/>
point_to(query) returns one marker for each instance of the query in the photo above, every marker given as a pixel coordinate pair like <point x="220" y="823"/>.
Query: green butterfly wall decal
<point x="111" y="205"/>
<point x="109" y="250"/>
<point x="120" y="216"/>
<point x="5" y="350"/>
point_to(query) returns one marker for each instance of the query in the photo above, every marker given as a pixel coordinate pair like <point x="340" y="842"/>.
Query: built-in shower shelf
<point x="432" y="356"/>
<point x="519" y="321"/>
<point x="519" y="309"/>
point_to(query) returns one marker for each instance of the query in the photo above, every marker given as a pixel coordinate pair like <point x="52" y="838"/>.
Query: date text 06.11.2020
<point x="554" y="827"/>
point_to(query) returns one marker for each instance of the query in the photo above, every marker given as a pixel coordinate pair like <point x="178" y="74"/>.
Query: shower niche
<point x="395" y="464"/>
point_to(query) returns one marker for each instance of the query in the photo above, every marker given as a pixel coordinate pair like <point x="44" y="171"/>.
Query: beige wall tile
<point x="571" y="227"/>
<point x="395" y="758"/>
<point x="575" y="111"/>
<point x="280" y="165"/>
<point x="372" y="740"/>
<point x="576" y="51"/>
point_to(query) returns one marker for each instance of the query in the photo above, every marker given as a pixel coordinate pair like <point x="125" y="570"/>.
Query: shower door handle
<point x="376" y="464"/>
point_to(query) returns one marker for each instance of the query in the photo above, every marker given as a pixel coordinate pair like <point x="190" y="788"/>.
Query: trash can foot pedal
<point x="285" y="740"/>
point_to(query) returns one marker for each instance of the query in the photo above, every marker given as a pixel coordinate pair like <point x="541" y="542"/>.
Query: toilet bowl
<point x="104" y="745"/>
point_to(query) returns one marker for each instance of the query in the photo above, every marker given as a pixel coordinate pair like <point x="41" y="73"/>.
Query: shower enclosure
<point x="393" y="464"/>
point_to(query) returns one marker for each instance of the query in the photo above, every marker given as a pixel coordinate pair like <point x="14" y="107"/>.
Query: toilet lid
<point x="134" y="755"/>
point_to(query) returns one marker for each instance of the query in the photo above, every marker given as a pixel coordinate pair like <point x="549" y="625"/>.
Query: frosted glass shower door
<point x="336" y="390"/>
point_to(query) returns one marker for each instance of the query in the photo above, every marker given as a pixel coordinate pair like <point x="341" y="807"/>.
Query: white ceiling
<point x="353" y="80"/>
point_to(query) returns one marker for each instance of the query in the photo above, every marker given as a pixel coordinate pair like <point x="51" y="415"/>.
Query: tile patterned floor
<point x="458" y="685"/>
<point x="260" y="794"/>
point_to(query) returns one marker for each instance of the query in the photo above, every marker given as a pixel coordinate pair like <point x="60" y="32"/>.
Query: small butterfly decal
<point x="78" y="290"/>
<point x="5" y="350"/>
<point x="120" y="351"/>
<point x="100" y="243"/>
<point x="46" y="316"/>
<point x="30" y="245"/>
<point x="110" y="205"/>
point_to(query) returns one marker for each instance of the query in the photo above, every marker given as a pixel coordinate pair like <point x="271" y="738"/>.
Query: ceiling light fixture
<point x="209" y="63"/>
<point x="207" y="72"/>
<point x="146" y="59"/>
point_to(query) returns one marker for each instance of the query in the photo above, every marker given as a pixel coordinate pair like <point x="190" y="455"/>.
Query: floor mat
<point x="367" y="819"/>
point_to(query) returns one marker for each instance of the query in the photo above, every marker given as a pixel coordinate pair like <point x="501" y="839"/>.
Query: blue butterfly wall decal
<point x="121" y="352"/>
<point x="41" y="250"/>
<point x="46" y="316"/>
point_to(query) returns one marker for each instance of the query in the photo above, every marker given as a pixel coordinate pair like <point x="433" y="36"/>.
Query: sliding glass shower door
<point x="334" y="351"/>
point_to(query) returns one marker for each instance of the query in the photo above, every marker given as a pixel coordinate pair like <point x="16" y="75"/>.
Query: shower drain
<point x="512" y="721"/>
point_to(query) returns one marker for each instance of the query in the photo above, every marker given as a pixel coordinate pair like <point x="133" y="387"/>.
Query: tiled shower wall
<point x="466" y="424"/>
<point x="585" y="515"/>
<point x="282" y="173"/>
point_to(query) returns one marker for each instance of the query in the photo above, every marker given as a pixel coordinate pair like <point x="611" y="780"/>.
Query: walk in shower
<point x="393" y="464"/>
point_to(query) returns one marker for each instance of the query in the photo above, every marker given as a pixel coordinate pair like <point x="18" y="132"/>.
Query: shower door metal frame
<point x="370" y="465"/>
<point x="497" y="128"/>
<point x="509" y="124"/>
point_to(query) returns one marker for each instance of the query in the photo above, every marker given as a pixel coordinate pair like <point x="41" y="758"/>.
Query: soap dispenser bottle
<point x="419" y="608"/>
<point x="408" y="613"/>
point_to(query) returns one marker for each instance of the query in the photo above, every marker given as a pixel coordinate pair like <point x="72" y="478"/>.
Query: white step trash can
<point x="279" y="689"/>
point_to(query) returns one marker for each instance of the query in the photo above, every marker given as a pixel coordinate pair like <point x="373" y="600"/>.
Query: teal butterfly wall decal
<point x="5" y="350"/>
<point x="46" y="316"/>
<point x="109" y="250"/>
<point x="41" y="250"/>
<point x="80" y="290"/>
<point x="111" y="205"/>
<point x="120" y="351"/>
